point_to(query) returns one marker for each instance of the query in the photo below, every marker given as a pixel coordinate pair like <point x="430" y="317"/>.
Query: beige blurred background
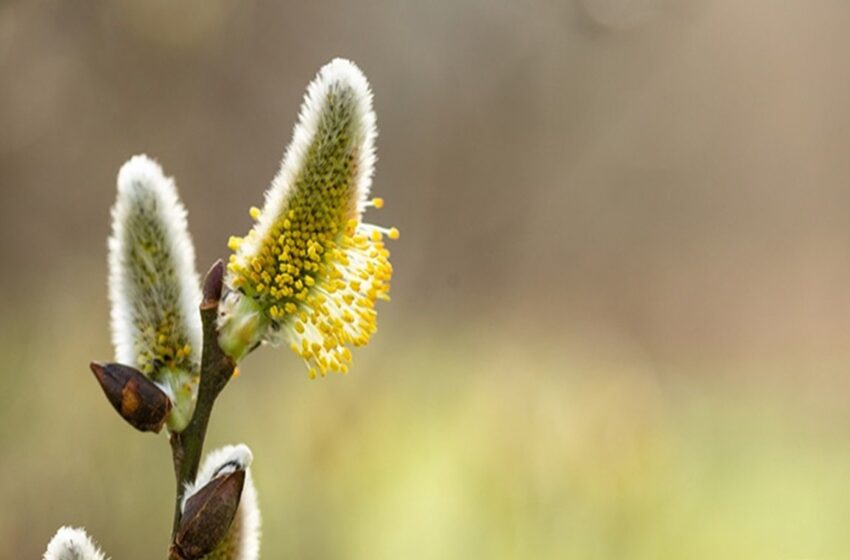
<point x="620" y="325"/>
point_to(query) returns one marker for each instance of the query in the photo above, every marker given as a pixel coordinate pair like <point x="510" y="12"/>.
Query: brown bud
<point x="213" y="284"/>
<point x="136" y="398"/>
<point x="208" y="514"/>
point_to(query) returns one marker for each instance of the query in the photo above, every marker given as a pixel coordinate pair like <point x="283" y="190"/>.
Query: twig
<point x="216" y="371"/>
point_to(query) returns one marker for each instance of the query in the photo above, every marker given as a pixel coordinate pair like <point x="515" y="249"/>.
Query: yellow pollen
<point x="164" y="345"/>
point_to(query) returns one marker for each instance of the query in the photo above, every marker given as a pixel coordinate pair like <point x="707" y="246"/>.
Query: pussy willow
<point x="311" y="270"/>
<point x="153" y="285"/>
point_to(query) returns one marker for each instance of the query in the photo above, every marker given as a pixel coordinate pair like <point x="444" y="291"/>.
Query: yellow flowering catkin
<point x="310" y="270"/>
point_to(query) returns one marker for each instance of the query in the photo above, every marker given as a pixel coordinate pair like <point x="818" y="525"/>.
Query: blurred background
<point x="620" y="324"/>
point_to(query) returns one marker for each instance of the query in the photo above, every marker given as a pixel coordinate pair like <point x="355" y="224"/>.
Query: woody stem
<point x="216" y="370"/>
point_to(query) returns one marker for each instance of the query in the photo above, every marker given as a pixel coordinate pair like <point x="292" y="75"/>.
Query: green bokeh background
<point x="620" y="326"/>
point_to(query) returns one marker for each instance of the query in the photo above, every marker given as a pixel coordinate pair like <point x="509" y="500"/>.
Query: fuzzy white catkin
<point x="243" y="539"/>
<point x="143" y="188"/>
<point x="72" y="544"/>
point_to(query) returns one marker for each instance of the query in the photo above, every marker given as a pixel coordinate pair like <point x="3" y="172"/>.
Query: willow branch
<point x="216" y="370"/>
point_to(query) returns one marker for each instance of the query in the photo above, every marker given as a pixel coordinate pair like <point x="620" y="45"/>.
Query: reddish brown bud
<point x="208" y="514"/>
<point x="136" y="398"/>
<point x="213" y="282"/>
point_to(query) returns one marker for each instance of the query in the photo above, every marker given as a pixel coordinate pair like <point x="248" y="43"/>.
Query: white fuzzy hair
<point x="141" y="181"/>
<point x="72" y="544"/>
<point x="225" y="460"/>
<point x="339" y="73"/>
